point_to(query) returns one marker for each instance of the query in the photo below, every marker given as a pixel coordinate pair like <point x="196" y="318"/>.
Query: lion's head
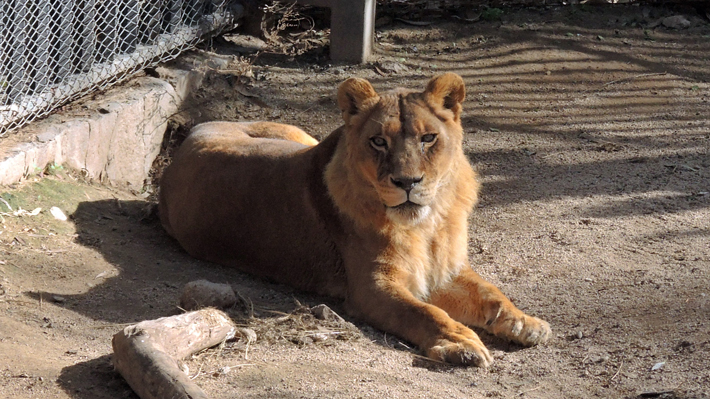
<point x="401" y="147"/>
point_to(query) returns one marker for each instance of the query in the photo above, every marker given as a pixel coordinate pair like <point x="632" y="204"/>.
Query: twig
<point x="278" y="312"/>
<point x="406" y="346"/>
<point x="20" y="301"/>
<point x="6" y="204"/>
<point x="529" y="390"/>
<point x="199" y="371"/>
<point x="318" y="332"/>
<point x="617" y="371"/>
<point x="226" y="369"/>
<point x="643" y="75"/>
<point x="242" y="365"/>
<point x="283" y="318"/>
<point x="112" y="325"/>
<point x="47" y="251"/>
<point x="428" y="359"/>
<point x="654" y="394"/>
<point x="306" y="110"/>
<point x="414" y="23"/>
<point x="222" y="370"/>
<point x="246" y="349"/>
<point x="247" y="301"/>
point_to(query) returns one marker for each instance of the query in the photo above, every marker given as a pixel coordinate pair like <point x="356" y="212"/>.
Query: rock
<point x="246" y="44"/>
<point x="218" y="62"/>
<point x="676" y="22"/>
<point x="46" y="136"/>
<point x="202" y="293"/>
<point x="323" y="312"/>
<point x="57" y="213"/>
<point x="302" y="341"/>
<point x="382" y="21"/>
<point x="391" y="67"/>
<point x="598" y="357"/>
<point x="58" y="299"/>
<point x="248" y="334"/>
<point x="319" y="337"/>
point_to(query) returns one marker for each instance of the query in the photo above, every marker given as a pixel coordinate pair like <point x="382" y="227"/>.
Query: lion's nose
<point x="406" y="183"/>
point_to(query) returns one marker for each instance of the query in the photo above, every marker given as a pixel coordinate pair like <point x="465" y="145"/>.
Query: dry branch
<point x="146" y="354"/>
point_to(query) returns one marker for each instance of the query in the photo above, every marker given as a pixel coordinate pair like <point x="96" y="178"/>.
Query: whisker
<point x="376" y="121"/>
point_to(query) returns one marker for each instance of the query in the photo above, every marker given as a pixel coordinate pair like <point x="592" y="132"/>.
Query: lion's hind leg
<point x="272" y="130"/>
<point x="473" y="301"/>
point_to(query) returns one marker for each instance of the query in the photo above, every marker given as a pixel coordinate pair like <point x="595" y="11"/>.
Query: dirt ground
<point x="590" y="128"/>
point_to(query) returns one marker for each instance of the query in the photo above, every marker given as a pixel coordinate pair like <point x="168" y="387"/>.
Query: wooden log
<point x="146" y="354"/>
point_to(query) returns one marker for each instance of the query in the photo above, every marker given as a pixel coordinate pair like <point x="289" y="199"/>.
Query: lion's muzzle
<point x="406" y="183"/>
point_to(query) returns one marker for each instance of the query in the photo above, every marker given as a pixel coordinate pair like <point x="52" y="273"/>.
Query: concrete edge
<point x="115" y="137"/>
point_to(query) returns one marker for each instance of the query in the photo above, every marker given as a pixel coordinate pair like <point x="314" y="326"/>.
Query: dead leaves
<point x="278" y="22"/>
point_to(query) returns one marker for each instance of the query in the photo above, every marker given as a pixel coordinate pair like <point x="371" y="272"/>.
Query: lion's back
<point x="245" y="202"/>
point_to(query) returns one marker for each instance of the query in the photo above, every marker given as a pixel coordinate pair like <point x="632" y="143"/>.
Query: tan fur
<point x="375" y="214"/>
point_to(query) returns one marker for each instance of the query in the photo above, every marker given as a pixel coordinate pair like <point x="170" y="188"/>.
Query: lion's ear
<point x="353" y="95"/>
<point x="448" y="91"/>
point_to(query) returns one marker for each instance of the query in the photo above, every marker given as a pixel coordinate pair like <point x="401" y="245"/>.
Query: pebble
<point x="319" y="337"/>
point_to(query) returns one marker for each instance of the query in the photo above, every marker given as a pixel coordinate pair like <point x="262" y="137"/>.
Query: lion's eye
<point x="378" y="142"/>
<point x="428" y="138"/>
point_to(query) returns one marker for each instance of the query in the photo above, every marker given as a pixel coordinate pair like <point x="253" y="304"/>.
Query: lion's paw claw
<point x="467" y="352"/>
<point x="526" y="330"/>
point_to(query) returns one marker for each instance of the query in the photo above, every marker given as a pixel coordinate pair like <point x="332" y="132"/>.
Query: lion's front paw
<point x="523" y="329"/>
<point x="461" y="348"/>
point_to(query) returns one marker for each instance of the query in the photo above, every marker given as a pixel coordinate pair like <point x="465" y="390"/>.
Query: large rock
<point x="202" y="294"/>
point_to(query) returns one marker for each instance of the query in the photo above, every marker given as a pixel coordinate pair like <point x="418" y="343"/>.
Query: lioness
<point x="376" y="213"/>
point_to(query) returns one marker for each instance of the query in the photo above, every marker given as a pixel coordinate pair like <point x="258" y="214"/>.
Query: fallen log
<point x="146" y="354"/>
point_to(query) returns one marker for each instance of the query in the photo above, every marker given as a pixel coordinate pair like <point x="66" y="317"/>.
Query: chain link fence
<point x="55" y="51"/>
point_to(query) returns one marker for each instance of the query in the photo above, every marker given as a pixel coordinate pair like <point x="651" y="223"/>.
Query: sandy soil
<point x="591" y="131"/>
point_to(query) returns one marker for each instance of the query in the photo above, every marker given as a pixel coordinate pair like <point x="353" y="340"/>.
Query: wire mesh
<point x="52" y="52"/>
